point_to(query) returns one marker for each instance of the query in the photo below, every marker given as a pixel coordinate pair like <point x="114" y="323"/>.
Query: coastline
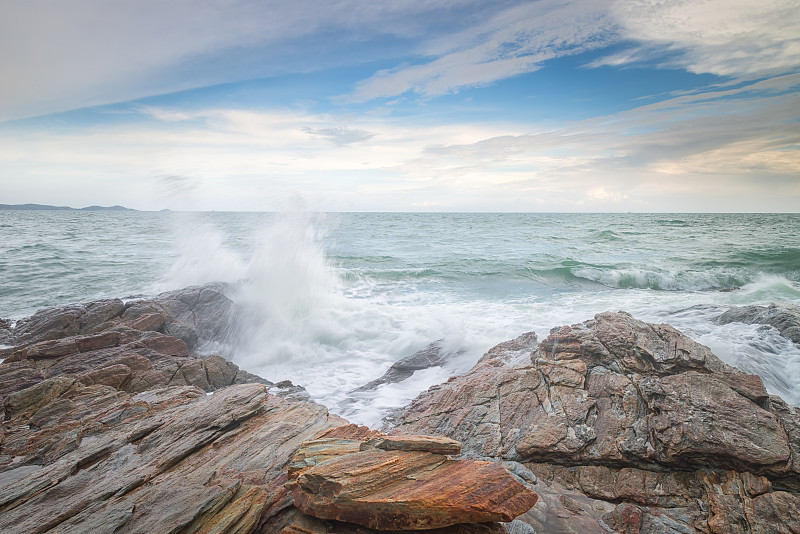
<point x="614" y="423"/>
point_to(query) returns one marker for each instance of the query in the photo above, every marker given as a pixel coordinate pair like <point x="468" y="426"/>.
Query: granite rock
<point x="628" y="427"/>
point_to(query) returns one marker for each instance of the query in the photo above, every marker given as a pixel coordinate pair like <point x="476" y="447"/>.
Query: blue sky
<point x="405" y="106"/>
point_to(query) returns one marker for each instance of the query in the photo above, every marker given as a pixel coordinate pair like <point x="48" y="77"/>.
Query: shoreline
<point x="587" y="418"/>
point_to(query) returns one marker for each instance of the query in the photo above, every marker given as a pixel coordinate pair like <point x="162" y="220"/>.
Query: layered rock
<point x="132" y="347"/>
<point x="401" y="483"/>
<point x="618" y="425"/>
<point x="630" y="427"/>
<point x="305" y="524"/>
<point x="108" y="426"/>
<point x="96" y="459"/>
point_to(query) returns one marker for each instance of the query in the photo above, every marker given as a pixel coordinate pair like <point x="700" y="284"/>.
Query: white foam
<point x="332" y="329"/>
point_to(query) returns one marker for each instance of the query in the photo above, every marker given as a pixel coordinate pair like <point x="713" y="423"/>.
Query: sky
<point x="437" y="105"/>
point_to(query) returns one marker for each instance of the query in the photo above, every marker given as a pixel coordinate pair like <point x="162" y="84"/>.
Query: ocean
<point x="332" y="300"/>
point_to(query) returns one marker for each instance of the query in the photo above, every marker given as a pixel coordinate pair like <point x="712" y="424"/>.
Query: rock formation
<point x="627" y="427"/>
<point x="109" y="424"/>
<point x="401" y="483"/>
<point x="433" y="355"/>
<point x="132" y="347"/>
<point x="783" y="317"/>
<point x="115" y="419"/>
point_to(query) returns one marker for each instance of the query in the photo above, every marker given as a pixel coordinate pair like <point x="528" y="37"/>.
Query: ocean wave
<point x="676" y="280"/>
<point x="779" y="260"/>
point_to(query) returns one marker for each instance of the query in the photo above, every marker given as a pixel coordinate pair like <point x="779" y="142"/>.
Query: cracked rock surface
<point x="628" y="427"/>
<point x="404" y="483"/>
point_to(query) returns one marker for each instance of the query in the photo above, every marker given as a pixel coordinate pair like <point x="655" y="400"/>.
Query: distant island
<point x="32" y="207"/>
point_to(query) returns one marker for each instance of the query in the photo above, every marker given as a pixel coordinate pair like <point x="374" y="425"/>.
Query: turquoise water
<point x="333" y="299"/>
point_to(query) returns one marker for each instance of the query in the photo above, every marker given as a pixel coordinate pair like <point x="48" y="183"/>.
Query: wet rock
<point x="197" y="314"/>
<point x="401" y="486"/>
<point x="784" y="317"/>
<point x="56" y="323"/>
<point x="287" y="390"/>
<point x="110" y="343"/>
<point x="431" y="356"/>
<point x="633" y="424"/>
<point x="32" y="398"/>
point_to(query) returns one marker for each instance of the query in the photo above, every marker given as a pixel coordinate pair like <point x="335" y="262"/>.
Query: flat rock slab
<point x="402" y="489"/>
<point x="304" y="524"/>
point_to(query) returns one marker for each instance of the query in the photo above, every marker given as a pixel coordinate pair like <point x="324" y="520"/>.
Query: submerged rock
<point x="783" y="317"/>
<point x="431" y="356"/>
<point x="627" y="426"/>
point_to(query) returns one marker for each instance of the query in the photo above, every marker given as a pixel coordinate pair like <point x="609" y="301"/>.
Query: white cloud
<point x="516" y="40"/>
<point x="684" y="153"/>
<point x="733" y="38"/>
<point x="57" y="56"/>
<point x="724" y="37"/>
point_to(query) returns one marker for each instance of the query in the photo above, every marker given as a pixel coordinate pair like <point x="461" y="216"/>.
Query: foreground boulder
<point x="627" y="426"/>
<point x="403" y="483"/>
<point x="305" y="524"/>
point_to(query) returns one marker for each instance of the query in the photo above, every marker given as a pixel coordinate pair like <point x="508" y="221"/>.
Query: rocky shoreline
<point x="116" y="420"/>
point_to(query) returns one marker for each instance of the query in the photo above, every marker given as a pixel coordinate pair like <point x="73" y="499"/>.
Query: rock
<point x="6" y="333"/>
<point x="32" y="398"/>
<point x="110" y="343"/>
<point x="433" y="444"/>
<point x="305" y="524"/>
<point x="101" y="460"/>
<point x="784" y="317"/>
<point x="197" y="315"/>
<point x="626" y="426"/>
<point x="401" y="486"/>
<point x="56" y="323"/>
<point x="287" y="390"/>
<point x="431" y="356"/>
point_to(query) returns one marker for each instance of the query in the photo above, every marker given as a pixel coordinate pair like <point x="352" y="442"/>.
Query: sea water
<point x="330" y="301"/>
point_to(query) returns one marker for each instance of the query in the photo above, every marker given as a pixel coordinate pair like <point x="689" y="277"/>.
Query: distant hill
<point x="32" y="207"/>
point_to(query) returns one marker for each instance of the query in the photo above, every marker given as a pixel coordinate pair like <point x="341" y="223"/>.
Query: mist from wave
<point x="331" y="301"/>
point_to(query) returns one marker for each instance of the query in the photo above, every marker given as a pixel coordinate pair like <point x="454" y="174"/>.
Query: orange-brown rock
<point x="402" y="489"/>
<point x="305" y="524"/>
<point x="434" y="444"/>
<point x="626" y="427"/>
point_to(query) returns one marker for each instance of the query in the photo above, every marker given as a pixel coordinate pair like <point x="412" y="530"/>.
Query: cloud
<point x="686" y="152"/>
<point x="516" y="40"/>
<point x="340" y="135"/>
<point x="731" y="38"/>
<point x="58" y="56"/>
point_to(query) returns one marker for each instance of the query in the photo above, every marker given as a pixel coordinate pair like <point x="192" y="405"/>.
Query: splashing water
<point x="331" y="301"/>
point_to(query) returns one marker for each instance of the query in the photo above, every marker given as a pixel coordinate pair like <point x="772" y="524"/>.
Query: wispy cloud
<point x="725" y="37"/>
<point x="731" y="38"/>
<point x="58" y="56"/>
<point x="516" y="40"/>
<point x="687" y="152"/>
